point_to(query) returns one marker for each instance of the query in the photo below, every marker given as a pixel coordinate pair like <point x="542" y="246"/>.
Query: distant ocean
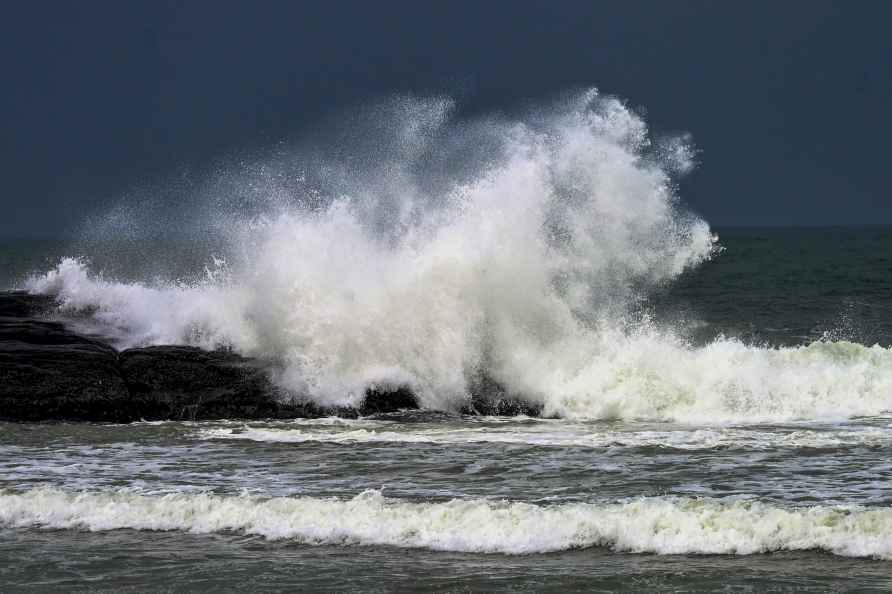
<point x="717" y="403"/>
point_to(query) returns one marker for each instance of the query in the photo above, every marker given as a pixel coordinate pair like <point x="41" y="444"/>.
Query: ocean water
<point x="717" y="402"/>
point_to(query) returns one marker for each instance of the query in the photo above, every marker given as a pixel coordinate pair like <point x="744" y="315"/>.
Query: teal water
<point x="789" y="286"/>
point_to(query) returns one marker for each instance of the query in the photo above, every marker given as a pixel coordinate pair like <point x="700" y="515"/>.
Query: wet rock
<point x="383" y="400"/>
<point x="50" y="373"/>
<point x="491" y="398"/>
<point x="19" y="304"/>
<point x="502" y="407"/>
<point x="187" y="383"/>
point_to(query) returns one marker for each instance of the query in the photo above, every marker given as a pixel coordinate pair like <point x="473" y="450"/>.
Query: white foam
<point x="567" y="435"/>
<point x="655" y="376"/>
<point x="524" y="267"/>
<point x="655" y="525"/>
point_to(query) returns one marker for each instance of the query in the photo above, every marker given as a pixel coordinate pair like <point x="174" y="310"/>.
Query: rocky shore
<point x="48" y="372"/>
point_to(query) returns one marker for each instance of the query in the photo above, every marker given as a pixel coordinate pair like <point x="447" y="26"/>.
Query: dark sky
<point x="788" y="102"/>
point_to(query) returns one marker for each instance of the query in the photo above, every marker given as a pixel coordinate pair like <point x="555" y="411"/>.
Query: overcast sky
<point x="788" y="102"/>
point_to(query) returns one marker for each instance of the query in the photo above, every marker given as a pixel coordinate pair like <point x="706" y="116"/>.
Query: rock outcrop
<point x="490" y="398"/>
<point x="382" y="400"/>
<point x="47" y="372"/>
<point x="186" y="383"/>
<point x="50" y="373"/>
<point x="19" y="304"/>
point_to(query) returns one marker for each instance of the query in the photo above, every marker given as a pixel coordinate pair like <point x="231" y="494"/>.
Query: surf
<point x="524" y="265"/>
<point x="666" y="526"/>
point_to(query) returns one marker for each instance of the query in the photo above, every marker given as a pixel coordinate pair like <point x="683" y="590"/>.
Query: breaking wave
<point x="524" y="263"/>
<point x="645" y="525"/>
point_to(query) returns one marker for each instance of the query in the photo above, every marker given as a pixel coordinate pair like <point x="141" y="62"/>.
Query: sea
<point x="716" y="402"/>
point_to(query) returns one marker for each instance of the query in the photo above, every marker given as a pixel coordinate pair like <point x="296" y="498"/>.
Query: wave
<point x="658" y="377"/>
<point x="525" y="265"/>
<point x="647" y="525"/>
<point x="608" y="373"/>
<point x="567" y="434"/>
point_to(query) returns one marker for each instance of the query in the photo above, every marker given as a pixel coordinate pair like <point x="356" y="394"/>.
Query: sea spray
<point x="560" y="225"/>
<point x="524" y="264"/>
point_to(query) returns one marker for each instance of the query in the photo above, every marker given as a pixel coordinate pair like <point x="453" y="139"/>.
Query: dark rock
<point x="502" y="407"/>
<point x="383" y="400"/>
<point x="187" y="383"/>
<point x="491" y="398"/>
<point x="19" y="304"/>
<point x="50" y="373"/>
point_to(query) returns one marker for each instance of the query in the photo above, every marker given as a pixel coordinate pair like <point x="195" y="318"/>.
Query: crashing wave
<point x="521" y="267"/>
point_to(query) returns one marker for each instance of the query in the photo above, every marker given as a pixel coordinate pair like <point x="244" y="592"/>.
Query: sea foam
<point x="565" y="434"/>
<point x="645" y="525"/>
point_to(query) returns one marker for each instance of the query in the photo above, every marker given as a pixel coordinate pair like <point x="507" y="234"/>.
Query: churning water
<point x="705" y="395"/>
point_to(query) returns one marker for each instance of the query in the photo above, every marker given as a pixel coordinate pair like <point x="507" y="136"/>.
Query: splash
<point x="440" y="251"/>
